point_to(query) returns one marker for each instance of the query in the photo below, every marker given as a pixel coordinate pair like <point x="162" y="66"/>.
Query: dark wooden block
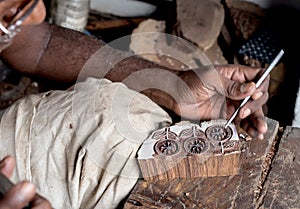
<point x="187" y="150"/>
<point x="236" y="191"/>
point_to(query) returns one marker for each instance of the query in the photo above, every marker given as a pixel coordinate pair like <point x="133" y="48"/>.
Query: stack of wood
<point x="198" y="26"/>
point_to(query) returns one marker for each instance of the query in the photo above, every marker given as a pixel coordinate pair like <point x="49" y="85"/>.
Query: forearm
<point x="60" y="54"/>
<point x="49" y="51"/>
<point x="65" y="55"/>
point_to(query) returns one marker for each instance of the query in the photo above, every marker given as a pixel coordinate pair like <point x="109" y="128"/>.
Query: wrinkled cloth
<point x="79" y="146"/>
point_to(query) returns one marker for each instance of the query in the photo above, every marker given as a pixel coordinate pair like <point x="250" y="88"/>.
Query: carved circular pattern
<point x="166" y="147"/>
<point x="218" y="133"/>
<point x="195" y="145"/>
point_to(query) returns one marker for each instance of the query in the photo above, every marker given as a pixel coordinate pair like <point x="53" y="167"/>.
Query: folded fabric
<point x="79" y="146"/>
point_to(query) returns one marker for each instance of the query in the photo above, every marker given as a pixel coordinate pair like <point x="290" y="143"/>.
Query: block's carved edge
<point x="188" y="150"/>
<point x="273" y="136"/>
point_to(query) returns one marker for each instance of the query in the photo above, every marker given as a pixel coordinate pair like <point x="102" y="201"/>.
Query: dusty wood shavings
<point x="243" y="134"/>
<point x="266" y="166"/>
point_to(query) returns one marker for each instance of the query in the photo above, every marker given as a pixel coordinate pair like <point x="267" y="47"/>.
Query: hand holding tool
<point x="259" y="82"/>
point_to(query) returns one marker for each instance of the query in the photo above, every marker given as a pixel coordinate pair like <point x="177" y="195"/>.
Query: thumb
<point x="18" y="196"/>
<point x="7" y="166"/>
<point x="237" y="91"/>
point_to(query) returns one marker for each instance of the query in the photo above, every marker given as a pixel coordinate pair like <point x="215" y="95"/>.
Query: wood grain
<point x="220" y="192"/>
<point x="191" y="151"/>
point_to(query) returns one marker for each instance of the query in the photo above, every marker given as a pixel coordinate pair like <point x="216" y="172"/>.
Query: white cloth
<point x="79" y="146"/>
<point x="296" y="120"/>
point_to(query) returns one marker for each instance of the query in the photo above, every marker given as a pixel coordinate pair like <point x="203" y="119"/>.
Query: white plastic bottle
<point x="71" y="14"/>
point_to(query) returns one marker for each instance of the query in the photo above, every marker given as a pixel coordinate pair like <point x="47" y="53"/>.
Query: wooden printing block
<point x="187" y="150"/>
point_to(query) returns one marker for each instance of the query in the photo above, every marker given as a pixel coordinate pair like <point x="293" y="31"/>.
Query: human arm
<point x="66" y="55"/>
<point x="216" y="92"/>
<point x="21" y="194"/>
<point x="60" y="54"/>
<point x="208" y="92"/>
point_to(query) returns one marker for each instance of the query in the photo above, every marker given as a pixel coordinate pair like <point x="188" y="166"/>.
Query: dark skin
<point x="56" y="43"/>
<point x="60" y="54"/>
<point x="22" y="193"/>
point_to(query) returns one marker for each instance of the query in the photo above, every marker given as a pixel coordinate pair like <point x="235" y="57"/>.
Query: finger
<point x="261" y="89"/>
<point x="240" y="73"/>
<point x="18" y="196"/>
<point x="255" y="125"/>
<point x="253" y="132"/>
<point x="217" y="82"/>
<point x="251" y="73"/>
<point x="257" y="95"/>
<point x="259" y="121"/>
<point x="238" y="91"/>
<point x="253" y="105"/>
<point x="7" y="166"/>
<point x="40" y="202"/>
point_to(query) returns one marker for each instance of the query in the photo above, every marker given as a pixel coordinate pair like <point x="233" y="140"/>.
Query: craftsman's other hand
<point x="21" y="194"/>
<point x="214" y="92"/>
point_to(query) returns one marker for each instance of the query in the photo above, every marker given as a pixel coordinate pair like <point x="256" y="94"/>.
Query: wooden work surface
<point x="259" y="183"/>
<point x="282" y="187"/>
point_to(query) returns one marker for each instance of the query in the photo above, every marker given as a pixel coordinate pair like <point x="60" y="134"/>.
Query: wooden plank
<point x="94" y="25"/>
<point x="200" y="23"/>
<point x="209" y="192"/>
<point x="244" y="17"/>
<point x="282" y="187"/>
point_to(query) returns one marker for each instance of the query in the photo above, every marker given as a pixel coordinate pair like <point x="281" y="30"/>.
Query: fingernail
<point x="26" y="188"/>
<point x="257" y="95"/>
<point x="2" y="162"/>
<point x="265" y="127"/>
<point x="260" y="136"/>
<point x="246" y="113"/>
<point x="245" y="87"/>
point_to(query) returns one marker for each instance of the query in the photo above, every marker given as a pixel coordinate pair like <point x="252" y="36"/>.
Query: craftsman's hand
<point x="215" y="92"/>
<point x="22" y="193"/>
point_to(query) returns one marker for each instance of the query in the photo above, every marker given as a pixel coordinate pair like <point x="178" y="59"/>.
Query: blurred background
<point x="226" y="31"/>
